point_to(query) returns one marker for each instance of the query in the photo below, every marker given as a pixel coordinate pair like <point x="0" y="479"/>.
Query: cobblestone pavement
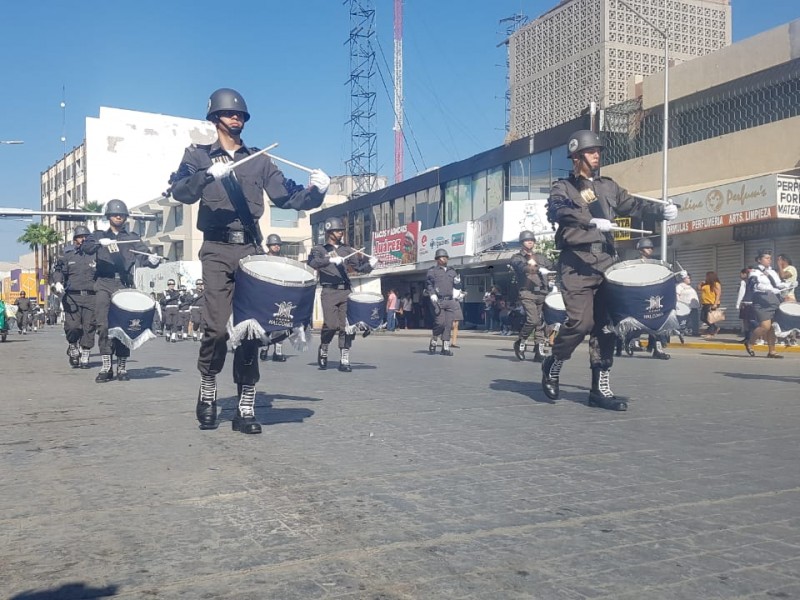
<point x="413" y="477"/>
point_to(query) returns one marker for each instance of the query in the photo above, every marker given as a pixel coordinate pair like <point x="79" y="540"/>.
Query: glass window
<point x="465" y="199"/>
<point x="178" y="215"/>
<point x="367" y="220"/>
<point x="387" y="211"/>
<point x="377" y="217"/>
<point x="494" y="188"/>
<point x="177" y="250"/>
<point x="518" y="178"/>
<point x="541" y="181"/>
<point x="478" y="194"/>
<point x="159" y="222"/>
<point x="451" y="202"/>
<point x="282" y="217"/>
<point x="561" y="165"/>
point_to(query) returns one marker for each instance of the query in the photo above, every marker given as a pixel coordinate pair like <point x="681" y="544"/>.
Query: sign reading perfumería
<point x="726" y="205"/>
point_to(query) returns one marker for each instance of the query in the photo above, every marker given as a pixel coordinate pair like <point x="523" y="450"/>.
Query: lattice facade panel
<point x="587" y="50"/>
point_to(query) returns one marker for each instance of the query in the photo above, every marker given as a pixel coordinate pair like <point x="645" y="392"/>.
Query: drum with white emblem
<point x="641" y="296"/>
<point x="130" y="317"/>
<point x="787" y="319"/>
<point x="366" y="308"/>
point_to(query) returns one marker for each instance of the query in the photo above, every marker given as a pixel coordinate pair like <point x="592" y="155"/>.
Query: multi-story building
<point x="584" y="51"/>
<point x="733" y="165"/>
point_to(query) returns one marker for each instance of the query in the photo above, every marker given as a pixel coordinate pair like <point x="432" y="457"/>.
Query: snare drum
<point x="555" y="312"/>
<point x="272" y="293"/>
<point x="787" y="319"/>
<point x="367" y="308"/>
<point x="130" y="317"/>
<point x="641" y="296"/>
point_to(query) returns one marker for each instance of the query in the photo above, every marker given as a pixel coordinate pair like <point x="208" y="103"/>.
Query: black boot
<point x="122" y="375"/>
<point x="344" y="361"/>
<point x="537" y="353"/>
<point x="322" y="358"/>
<point x="263" y="354"/>
<point x="519" y="349"/>
<point x="245" y="418"/>
<point x="432" y="346"/>
<point x="551" y="369"/>
<point x="446" y="349"/>
<point x="104" y="376"/>
<point x="246" y="424"/>
<point x="601" y="395"/>
<point x="278" y="358"/>
<point x="206" y="413"/>
<point x="658" y="352"/>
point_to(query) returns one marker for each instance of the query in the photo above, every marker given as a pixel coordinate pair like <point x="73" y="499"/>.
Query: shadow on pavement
<point x="266" y="414"/>
<point x="762" y="376"/>
<point x="68" y="591"/>
<point x="151" y="372"/>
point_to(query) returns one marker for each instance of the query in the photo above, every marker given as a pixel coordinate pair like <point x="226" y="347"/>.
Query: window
<point x="282" y="217"/>
<point x="541" y="180"/>
<point x="478" y="194"/>
<point x="561" y="164"/>
<point x="178" y="212"/>
<point x="293" y="250"/>
<point x="159" y="222"/>
<point x="451" y="202"/>
<point x="518" y="178"/>
<point x="494" y="188"/>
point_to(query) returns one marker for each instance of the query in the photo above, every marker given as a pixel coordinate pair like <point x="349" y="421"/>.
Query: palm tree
<point x="34" y="236"/>
<point x="51" y="238"/>
<point x="94" y="207"/>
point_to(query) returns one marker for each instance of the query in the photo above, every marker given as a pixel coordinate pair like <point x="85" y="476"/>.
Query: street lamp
<point x="11" y="142"/>
<point x="665" y="145"/>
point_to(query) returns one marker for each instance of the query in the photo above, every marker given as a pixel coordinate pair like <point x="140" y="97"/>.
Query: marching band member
<point x="197" y="314"/>
<point x="274" y="243"/>
<point x="114" y="264"/>
<point x="73" y="280"/>
<point x="231" y="203"/>
<point x="531" y="270"/>
<point x="443" y="285"/>
<point x="332" y="261"/>
<point x="584" y="205"/>
<point x="170" y="302"/>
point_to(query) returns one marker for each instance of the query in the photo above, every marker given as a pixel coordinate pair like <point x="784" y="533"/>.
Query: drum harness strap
<point x="239" y="202"/>
<point x="341" y="268"/>
<point x="120" y="267"/>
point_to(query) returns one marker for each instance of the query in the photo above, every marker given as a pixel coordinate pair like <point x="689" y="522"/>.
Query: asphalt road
<point x="413" y="477"/>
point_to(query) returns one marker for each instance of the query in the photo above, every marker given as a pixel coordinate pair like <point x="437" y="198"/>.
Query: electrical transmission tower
<point x="511" y="24"/>
<point x="362" y="165"/>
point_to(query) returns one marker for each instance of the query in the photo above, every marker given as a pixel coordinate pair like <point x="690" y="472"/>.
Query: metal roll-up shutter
<point x="752" y="247"/>
<point x="696" y="261"/>
<point x="730" y="261"/>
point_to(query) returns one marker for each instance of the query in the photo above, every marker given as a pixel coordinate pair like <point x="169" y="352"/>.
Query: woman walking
<point x="710" y="299"/>
<point x="767" y="288"/>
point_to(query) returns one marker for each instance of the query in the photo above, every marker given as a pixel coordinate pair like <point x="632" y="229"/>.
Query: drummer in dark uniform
<point x="443" y="285"/>
<point x="114" y="271"/>
<point x="332" y="261"/>
<point x="531" y="269"/>
<point x="231" y="203"/>
<point x="197" y="309"/>
<point x="583" y="205"/>
<point x="73" y="280"/>
<point x="274" y="244"/>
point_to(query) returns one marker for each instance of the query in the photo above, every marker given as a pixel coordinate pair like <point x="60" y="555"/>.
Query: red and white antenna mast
<point x="398" y="90"/>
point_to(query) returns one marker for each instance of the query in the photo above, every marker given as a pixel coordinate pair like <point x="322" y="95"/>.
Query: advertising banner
<point x="788" y="197"/>
<point x="456" y="239"/>
<point x="489" y="229"/>
<point x="396" y="246"/>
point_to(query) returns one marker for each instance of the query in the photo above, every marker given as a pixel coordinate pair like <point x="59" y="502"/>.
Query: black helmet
<point x="80" y="230"/>
<point x="170" y="282"/>
<point x="199" y="282"/>
<point x="273" y="239"/>
<point x="644" y="243"/>
<point x="441" y="252"/>
<point x="581" y="140"/>
<point x="334" y="224"/>
<point x="116" y="207"/>
<point x="526" y="235"/>
<point x="226" y="99"/>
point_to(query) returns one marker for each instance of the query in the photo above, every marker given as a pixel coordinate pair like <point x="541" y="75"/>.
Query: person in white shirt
<point x="766" y="287"/>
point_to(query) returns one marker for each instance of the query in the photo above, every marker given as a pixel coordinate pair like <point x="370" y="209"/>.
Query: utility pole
<point x="398" y="91"/>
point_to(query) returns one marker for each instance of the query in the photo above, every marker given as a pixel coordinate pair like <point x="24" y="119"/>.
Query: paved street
<point x="413" y="477"/>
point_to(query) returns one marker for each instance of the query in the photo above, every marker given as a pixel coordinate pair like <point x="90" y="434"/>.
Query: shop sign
<point x="788" y="197"/>
<point x="396" y="246"/>
<point x="457" y="239"/>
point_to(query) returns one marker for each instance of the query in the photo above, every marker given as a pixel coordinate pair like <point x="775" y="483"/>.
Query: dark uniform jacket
<point x="119" y="265"/>
<point x="573" y="213"/>
<point x="170" y="298"/>
<point x="528" y="277"/>
<point x="75" y="270"/>
<point x="197" y="299"/>
<point x="24" y="304"/>
<point x="189" y="184"/>
<point x="331" y="275"/>
<point x="442" y="281"/>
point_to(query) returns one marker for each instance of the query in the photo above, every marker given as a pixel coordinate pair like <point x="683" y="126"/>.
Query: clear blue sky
<point x="288" y="59"/>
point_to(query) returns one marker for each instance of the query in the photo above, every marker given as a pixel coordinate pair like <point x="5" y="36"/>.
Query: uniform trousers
<point x="170" y="318"/>
<point x="79" y="324"/>
<point x="334" y="317"/>
<point x="196" y="317"/>
<point x="533" y="303"/>
<point x="583" y="288"/>
<point x="105" y="288"/>
<point x="443" y="318"/>
<point x="24" y="319"/>
<point x="220" y="261"/>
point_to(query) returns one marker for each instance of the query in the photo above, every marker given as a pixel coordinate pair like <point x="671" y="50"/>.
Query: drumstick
<point x="656" y="200"/>
<point x="239" y="163"/>
<point x="290" y="163"/>
<point x="149" y="254"/>
<point x="358" y="252"/>
<point x="629" y="229"/>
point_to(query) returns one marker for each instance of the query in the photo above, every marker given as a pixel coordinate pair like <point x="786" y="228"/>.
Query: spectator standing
<point x="391" y="311"/>
<point x="744" y="304"/>
<point x="788" y="274"/>
<point x="710" y="298"/>
<point x="407" y="310"/>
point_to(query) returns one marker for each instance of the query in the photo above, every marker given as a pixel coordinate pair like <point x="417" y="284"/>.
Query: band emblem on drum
<point x="284" y="316"/>
<point x="655" y="304"/>
<point x="376" y="314"/>
<point x="134" y="325"/>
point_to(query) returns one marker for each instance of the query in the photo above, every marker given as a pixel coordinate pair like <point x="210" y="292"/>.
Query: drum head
<point x="366" y="297"/>
<point x="132" y="300"/>
<point x="638" y="273"/>
<point x="555" y="301"/>
<point x="278" y="269"/>
<point x="790" y="308"/>
<point x="682" y="309"/>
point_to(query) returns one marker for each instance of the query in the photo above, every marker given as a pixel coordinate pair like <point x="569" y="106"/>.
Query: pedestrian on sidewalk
<point x="710" y="299"/>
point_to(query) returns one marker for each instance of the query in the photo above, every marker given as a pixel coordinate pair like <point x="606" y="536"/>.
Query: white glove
<point x="220" y="169"/>
<point x="58" y="288"/>
<point x="459" y="294"/>
<point x="336" y="260"/>
<point x="106" y="241"/>
<point x="544" y="271"/>
<point x="670" y="212"/>
<point x="154" y="259"/>
<point x="434" y="298"/>
<point x="602" y="225"/>
<point x="319" y="179"/>
<point x="373" y="262"/>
